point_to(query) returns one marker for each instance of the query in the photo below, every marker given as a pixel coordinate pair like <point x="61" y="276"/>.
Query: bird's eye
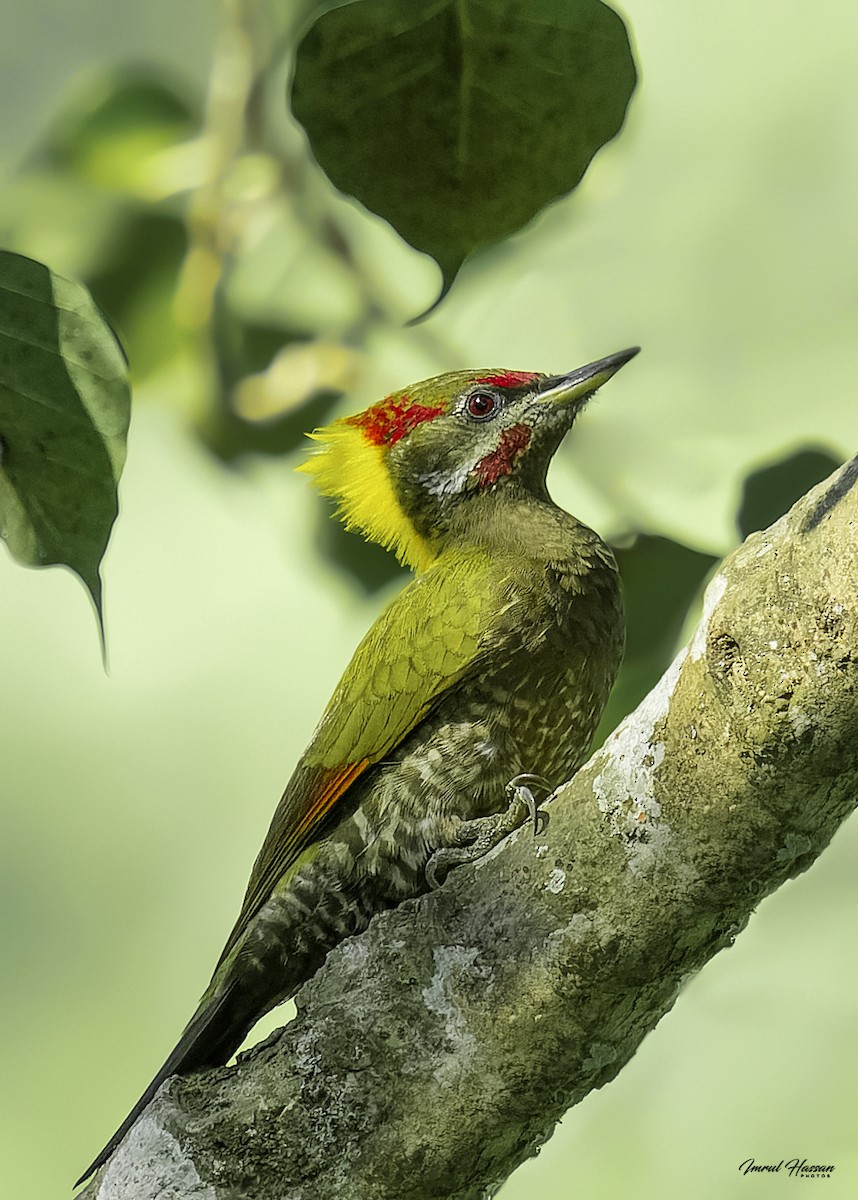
<point x="481" y="405"/>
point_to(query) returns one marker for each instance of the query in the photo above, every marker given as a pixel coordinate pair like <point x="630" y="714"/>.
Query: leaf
<point x="115" y="130"/>
<point x="459" y="120"/>
<point x="770" y="491"/>
<point x="660" y="582"/>
<point x="64" y="412"/>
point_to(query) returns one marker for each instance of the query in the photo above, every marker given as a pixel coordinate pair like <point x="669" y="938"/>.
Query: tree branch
<point x="435" y="1053"/>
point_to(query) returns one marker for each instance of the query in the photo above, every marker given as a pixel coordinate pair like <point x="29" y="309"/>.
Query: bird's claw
<point x="519" y="789"/>
<point x="476" y="837"/>
<point x="442" y="860"/>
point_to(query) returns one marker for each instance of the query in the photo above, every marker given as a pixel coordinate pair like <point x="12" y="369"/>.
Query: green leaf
<point x="660" y="582"/>
<point x="115" y="128"/>
<point x="459" y="120"/>
<point x="64" y="412"/>
<point x="770" y="491"/>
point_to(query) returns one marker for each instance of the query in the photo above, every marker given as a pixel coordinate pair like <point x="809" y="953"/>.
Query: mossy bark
<point x="436" y="1052"/>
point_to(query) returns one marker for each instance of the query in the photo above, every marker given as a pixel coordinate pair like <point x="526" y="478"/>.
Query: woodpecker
<point x="485" y="677"/>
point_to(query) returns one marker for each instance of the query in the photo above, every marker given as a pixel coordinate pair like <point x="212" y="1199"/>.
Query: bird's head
<point x="402" y="466"/>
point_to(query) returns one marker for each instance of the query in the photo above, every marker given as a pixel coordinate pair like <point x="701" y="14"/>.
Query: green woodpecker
<point x="488" y="673"/>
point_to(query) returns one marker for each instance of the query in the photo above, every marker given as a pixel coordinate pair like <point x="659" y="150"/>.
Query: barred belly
<point x="540" y="719"/>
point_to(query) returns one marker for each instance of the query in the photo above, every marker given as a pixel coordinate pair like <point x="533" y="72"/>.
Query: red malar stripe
<point x="499" y="462"/>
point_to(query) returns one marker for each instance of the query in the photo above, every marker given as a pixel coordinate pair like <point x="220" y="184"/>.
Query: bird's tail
<point x="215" y="1031"/>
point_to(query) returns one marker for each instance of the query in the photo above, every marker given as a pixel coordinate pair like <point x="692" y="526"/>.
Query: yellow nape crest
<point x="352" y="469"/>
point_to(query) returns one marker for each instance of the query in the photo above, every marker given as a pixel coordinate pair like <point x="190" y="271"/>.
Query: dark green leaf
<point x="458" y="120"/>
<point x="64" y="411"/>
<point x="660" y="581"/>
<point x="772" y="490"/>
<point x="115" y="125"/>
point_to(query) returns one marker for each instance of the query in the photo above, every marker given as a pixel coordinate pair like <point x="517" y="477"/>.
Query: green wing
<point x="436" y="632"/>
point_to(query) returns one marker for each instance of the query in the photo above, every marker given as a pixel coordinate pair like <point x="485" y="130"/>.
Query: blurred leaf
<point x="274" y="384"/>
<point x="770" y="492"/>
<point x="137" y="285"/>
<point x="112" y="132"/>
<point x="91" y="200"/>
<point x="663" y="579"/>
<point x="284" y="276"/>
<point x="61" y="219"/>
<point x="458" y="122"/>
<point x="366" y="563"/>
<point x="660" y="580"/>
<point x="230" y="438"/>
<point x="128" y="253"/>
<point x="295" y="373"/>
<point x="64" y="412"/>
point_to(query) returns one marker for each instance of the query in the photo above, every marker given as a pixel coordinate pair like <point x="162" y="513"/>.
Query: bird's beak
<point x="572" y="390"/>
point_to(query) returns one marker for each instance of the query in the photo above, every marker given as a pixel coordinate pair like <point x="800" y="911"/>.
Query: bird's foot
<point x="476" y="837"/>
<point x="519" y="791"/>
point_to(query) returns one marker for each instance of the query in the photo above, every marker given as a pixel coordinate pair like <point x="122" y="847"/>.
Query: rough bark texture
<point x="433" y="1054"/>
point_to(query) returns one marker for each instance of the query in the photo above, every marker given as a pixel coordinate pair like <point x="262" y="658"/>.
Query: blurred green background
<point x="718" y="231"/>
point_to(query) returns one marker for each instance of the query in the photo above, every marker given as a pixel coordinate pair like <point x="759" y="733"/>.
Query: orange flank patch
<point x="332" y="784"/>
